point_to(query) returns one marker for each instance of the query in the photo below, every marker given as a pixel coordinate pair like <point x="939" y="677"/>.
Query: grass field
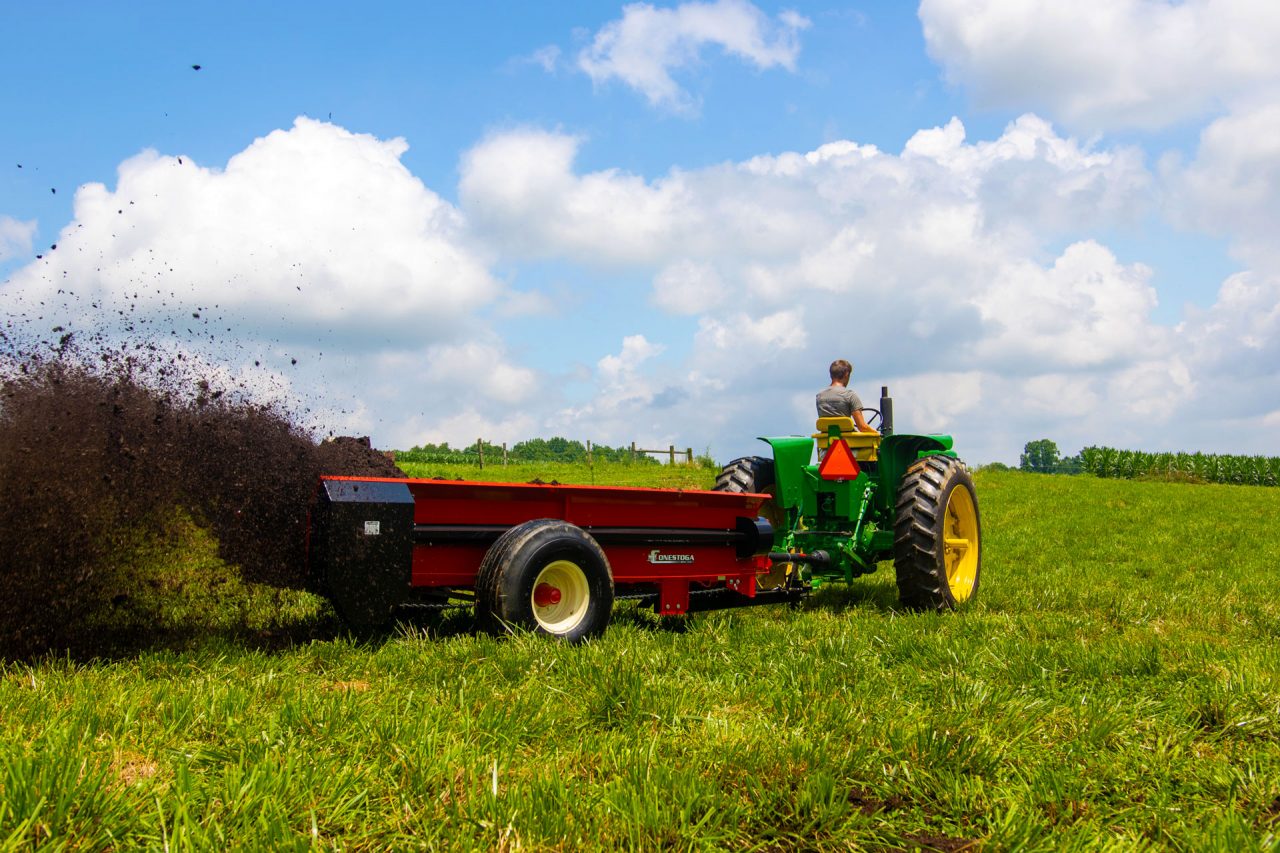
<point x="1115" y="686"/>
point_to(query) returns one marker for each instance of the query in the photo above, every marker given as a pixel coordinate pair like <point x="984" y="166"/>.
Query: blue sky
<point x="660" y="222"/>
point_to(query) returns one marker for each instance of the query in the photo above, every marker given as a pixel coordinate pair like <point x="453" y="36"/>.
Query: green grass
<point x="1115" y="686"/>
<point x="614" y="474"/>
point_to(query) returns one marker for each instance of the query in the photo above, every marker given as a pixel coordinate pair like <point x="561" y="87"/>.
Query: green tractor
<point x="869" y="497"/>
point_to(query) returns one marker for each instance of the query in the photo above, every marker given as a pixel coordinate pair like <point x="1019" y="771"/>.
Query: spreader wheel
<point x="937" y="541"/>
<point x="755" y="475"/>
<point x="545" y="576"/>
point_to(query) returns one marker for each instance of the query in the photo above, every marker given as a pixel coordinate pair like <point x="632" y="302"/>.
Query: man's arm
<point x="861" y="423"/>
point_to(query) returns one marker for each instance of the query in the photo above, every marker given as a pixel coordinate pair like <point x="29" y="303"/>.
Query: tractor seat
<point x="865" y="445"/>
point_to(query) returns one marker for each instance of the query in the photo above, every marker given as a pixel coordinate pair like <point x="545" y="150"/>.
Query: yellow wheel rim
<point x="560" y="597"/>
<point x="776" y="576"/>
<point x="960" y="543"/>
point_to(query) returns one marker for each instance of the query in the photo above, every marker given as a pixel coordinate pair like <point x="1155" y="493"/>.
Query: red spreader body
<point x="550" y="558"/>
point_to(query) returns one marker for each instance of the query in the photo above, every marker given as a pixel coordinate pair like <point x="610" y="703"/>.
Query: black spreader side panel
<point x="362" y="547"/>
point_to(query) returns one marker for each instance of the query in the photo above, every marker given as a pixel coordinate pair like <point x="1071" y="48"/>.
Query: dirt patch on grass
<point x="357" y="686"/>
<point x="938" y="843"/>
<point x="869" y="804"/>
<point x="129" y="768"/>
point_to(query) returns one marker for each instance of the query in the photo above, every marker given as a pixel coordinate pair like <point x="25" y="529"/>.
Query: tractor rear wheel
<point x="937" y="541"/>
<point x="546" y="576"/>
<point x="755" y="474"/>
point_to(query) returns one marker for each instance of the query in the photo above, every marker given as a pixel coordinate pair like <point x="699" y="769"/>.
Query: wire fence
<point x="484" y="453"/>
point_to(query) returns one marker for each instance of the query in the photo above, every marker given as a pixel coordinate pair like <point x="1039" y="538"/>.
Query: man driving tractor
<point x="838" y="400"/>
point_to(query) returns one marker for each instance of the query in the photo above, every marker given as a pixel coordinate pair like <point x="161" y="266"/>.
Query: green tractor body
<point x="868" y="498"/>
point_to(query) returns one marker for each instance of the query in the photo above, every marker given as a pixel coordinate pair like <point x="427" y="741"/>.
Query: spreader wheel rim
<point x="560" y="614"/>
<point x="960" y="543"/>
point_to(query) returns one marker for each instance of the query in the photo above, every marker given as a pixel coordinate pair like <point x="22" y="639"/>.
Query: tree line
<point x="531" y="450"/>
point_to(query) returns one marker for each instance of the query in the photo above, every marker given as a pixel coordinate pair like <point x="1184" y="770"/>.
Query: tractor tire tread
<point x="917" y="548"/>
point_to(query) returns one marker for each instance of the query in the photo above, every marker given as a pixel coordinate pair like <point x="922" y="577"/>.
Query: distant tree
<point x="1069" y="465"/>
<point x="994" y="466"/>
<point x="1040" y="457"/>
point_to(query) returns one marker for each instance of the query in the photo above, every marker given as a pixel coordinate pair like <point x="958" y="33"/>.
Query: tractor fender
<point x="791" y="455"/>
<point x="897" y="453"/>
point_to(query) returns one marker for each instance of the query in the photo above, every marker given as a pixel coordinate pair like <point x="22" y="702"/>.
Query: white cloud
<point x="472" y="369"/>
<point x="547" y="57"/>
<point x="960" y="271"/>
<point x="1101" y="64"/>
<point x="619" y="371"/>
<point x="932" y="401"/>
<point x="309" y="231"/>
<point x="520" y="189"/>
<point x="647" y="44"/>
<point x="1087" y="310"/>
<point x="779" y="330"/>
<point x="968" y="275"/>
<point x="1233" y="185"/>
<point x="15" y="237"/>
<point x="626" y="404"/>
<point x="688" y="287"/>
<point x="461" y="427"/>
<point x="328" y="274"/>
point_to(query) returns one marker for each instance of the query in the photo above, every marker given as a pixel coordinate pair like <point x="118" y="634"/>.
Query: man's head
<point x="840" y="371"/>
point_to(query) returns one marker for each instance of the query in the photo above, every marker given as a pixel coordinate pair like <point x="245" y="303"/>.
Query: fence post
<point x="671" y="448"/>
<point x="480" y="451"/>
<point x="588" y="451"/>
<point x="504" y="454"/>
<point x="633" y="451"/>
<point x="688" y="452"/>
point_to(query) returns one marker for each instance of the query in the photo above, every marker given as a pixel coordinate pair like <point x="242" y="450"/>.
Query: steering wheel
<point x="872" y="418"/>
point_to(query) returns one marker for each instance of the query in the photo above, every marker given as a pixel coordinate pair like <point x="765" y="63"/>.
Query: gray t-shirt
<point x="837" y="402"/>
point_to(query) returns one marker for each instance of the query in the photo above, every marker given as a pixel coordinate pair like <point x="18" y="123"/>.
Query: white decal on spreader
<point x="655" y="557"/>
<point x="373" y="528"/>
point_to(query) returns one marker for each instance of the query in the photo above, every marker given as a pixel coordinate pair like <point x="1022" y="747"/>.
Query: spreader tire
<point x="546" y="576"/>
<point x="937" y="542"/>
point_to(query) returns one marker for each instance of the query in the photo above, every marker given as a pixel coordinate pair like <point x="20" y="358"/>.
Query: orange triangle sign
<point x="839" y="463"/>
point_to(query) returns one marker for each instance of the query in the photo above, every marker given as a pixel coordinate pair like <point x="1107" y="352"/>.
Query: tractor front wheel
<point x="937" y="541"/>
<point x="545" y="576"/>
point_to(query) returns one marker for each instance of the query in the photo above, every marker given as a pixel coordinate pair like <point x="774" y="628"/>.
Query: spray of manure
<point x="100" y="441"/>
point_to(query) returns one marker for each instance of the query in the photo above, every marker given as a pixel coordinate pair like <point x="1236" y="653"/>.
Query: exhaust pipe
<point x="886" y="411"/>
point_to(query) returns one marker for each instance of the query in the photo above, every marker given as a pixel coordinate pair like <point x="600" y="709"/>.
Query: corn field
<point x="1202" y="467"/>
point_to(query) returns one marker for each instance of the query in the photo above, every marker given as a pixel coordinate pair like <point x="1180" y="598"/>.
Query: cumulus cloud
<point x="619" y="371"/>
<point x="309" y="231"/>
<point x="1232" y="187"/>
<point x="521" y="190"/>
<point x="15" y="238"/>
<point x="1103" y="64"/>
<point x="647" y="44"/>
<point x="314" y="267"/>
<point x="1086" y="310"/>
